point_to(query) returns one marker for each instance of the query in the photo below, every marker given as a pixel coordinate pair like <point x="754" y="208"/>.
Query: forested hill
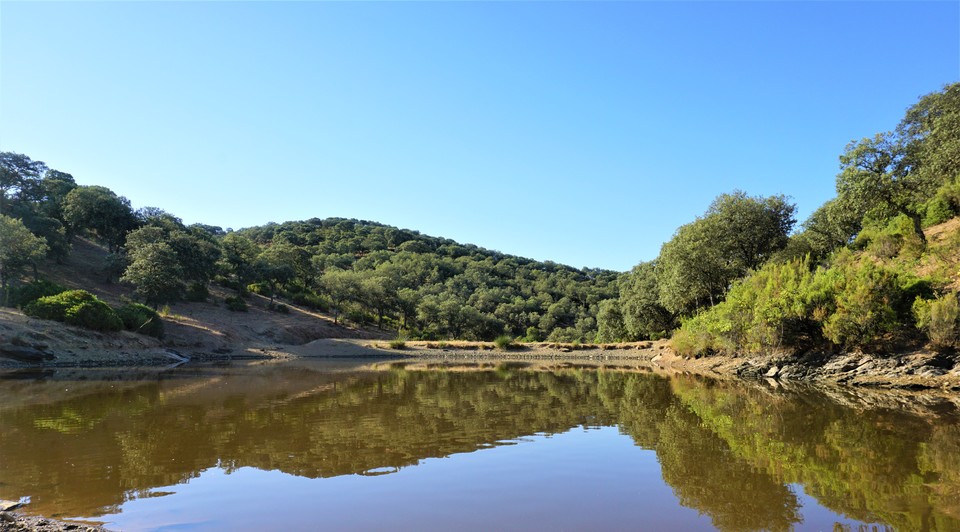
<point x="430" y="287"/>
<point x="359" y="271"/>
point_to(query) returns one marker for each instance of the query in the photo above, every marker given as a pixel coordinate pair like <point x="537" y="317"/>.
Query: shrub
<point x="262" y="289"/>
<point x="853" y="303"/>
<point x="141" y="319"/>
<point x="503" y="342"/>
<point x="533" y="334"/>
<point x="55" y="307"/>
<point x="309" y="300"/>
<point x="940" y="319"/>
<point x="25" y="294"/>
<point x="938" y="210"/>
<point x="197" y="292"/>
<point x="95" y="315"/>
<point x="236" y="304"/>
<point x="398" y="343"/>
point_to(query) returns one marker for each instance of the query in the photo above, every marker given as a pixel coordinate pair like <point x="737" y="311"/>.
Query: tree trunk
<point x="918" y="226"/>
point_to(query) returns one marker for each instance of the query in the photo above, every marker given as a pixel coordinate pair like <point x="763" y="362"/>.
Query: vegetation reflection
<point x="730" y="451"/>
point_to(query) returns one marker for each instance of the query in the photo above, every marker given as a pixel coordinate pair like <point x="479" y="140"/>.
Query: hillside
<point x="193" y="329"/>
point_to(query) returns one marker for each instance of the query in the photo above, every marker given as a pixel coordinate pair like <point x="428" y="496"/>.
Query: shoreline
<point x="16" y="521"/>
<point x="202" y="333"/>
<point x="919" y="369"/>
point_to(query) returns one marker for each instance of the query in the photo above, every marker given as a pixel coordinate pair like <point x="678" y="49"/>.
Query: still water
<point x="314" y="445"/>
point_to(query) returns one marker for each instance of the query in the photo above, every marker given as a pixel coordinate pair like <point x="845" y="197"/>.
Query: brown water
<point x="320" y="446"/>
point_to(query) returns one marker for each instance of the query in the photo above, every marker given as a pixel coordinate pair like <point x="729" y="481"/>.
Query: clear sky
<point x="583" y="133"/>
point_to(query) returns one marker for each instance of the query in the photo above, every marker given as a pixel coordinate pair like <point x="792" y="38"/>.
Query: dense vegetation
<point x="859" y="274"/>
<point x="737" y="279"/>
<point x="359" y="271"/>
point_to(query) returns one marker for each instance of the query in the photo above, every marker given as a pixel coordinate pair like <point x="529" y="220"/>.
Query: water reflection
<point x="86" y="443"/>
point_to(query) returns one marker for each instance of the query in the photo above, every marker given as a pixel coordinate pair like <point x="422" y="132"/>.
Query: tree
<point x="878" y="178"/>
<point x="834" y="224"/>
<point x="341" y="286"/>
<point x="930" y="132"/>
<point x="238" y="260"/>
<point x="99" y="209"/>
<point x="156" y="273"/>
<point x="19" y="180"/>
<point x="735" y="235"/>
<point x="55" y="186"/>
<point x="18" y="248"/>
<point x="610" y="327"/>
<point x="644" y="317"/>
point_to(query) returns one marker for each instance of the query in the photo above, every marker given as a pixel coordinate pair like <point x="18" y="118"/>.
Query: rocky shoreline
<point x="15" y="521"/>
<point x="11" y="521"/>
<point x="918" y="369"/>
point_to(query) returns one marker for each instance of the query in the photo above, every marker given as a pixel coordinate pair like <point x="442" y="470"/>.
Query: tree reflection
<point x="729" y="451"/>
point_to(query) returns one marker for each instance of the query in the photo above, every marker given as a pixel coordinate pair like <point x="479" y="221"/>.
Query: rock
<point x="24" y="354"/>
<point x="772" y="372"/>
<point x="6" y="506"/>
<point x="928" y="371"/>
<point x="7" y="517"/>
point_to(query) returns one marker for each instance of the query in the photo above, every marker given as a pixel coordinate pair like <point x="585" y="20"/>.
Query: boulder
<point x="24" y="354"/>
<point x="6" y="506"/>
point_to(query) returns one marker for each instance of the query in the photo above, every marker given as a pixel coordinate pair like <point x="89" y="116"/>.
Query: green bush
<point x="236" y="304"/>
<point x="533" y="334"/>
<point x="25" y="294"/>
<point x="197" y="292"/>
<point x="95" y="315"/>
<point x="262" y="289"/>
<point x="55" y="307"/>
<point x="141" y="319"/>
<point x="940" y="319"/>
<point x="938" y="210"/>
<point x="503" y="342"/>
<point x="853" y="303"/>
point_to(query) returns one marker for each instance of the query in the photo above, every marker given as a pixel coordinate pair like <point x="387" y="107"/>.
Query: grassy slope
<point x="194" y="329"/>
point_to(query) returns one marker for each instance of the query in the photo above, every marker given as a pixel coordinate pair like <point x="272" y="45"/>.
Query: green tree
<point x="931" y="134"/>
<point x="55" y="186"/>
<point x="610" y="326"/>
<point x="644" y="317"/>
<point x="878" y="178"/>
<point x="342" y="286"/>
<point x="832" y="225"/>
<point x="18" y="249"/>
<point x="99" y="209"/>
<point x="155" y="271"/>
<point x="239" y="259"/>
<point x="735" y="235"/>
<point x="19" y="181"/>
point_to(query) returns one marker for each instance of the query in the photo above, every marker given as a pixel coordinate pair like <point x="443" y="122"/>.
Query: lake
<point x="340" y="445"/>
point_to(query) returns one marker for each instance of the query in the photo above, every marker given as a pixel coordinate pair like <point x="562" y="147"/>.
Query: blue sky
<point x="583" y="133"/>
